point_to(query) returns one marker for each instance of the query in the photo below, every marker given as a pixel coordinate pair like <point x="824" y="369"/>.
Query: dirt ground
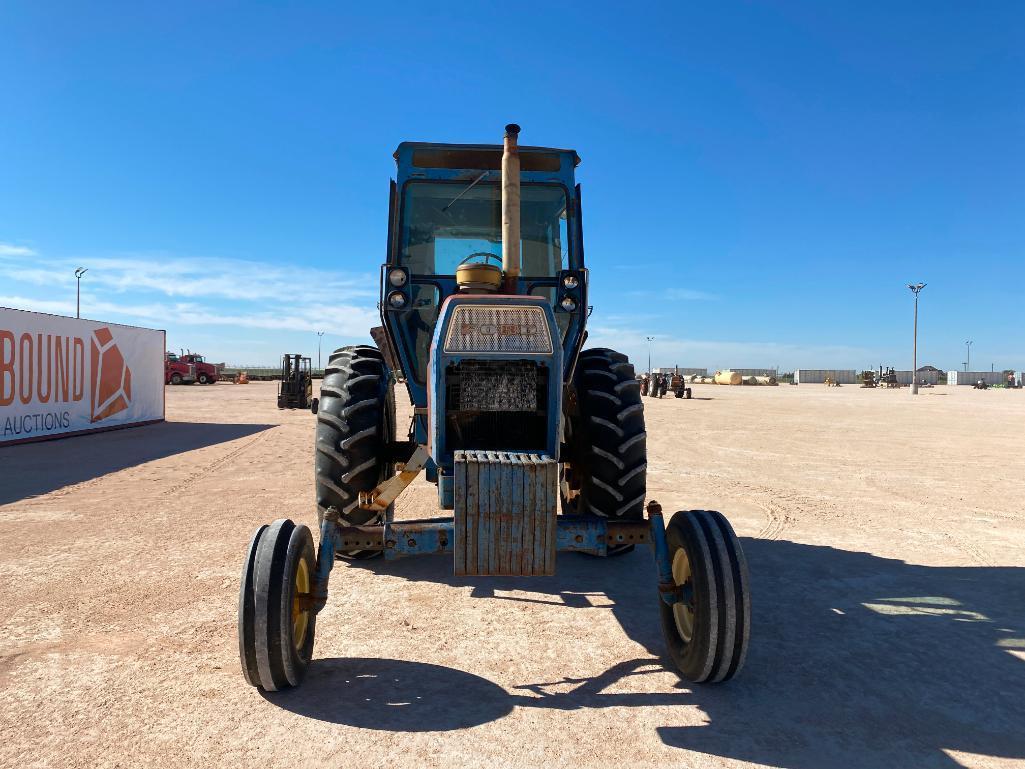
<point x="886" y="541"/>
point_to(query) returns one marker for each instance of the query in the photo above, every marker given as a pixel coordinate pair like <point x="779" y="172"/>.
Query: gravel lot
<point x="886" y="541"/>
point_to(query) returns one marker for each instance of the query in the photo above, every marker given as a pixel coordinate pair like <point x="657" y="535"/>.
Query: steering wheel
<point x="486" y="254"/>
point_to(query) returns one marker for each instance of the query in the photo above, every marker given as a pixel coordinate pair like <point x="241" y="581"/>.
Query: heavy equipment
<point x="177" y="371"/>
<point x="295" y="388"/>
<point x="887" y="378"/>
<point x="537" y="445"/>
<point x="678" y="385"/>
<point x="206" y="373"/>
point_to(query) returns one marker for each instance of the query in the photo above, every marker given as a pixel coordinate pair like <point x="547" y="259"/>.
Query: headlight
<point x="568" y="304"/>
<point x="570" y="281"/>
<point x="397" y="278"/>
<point x="397" y="300"/>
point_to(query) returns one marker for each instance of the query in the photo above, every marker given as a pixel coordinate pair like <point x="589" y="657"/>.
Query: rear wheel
<point x="355" y="423"/>
<point x="604" y="472"/>
<point x="276" y="623"/>
<point x="707" y="635"/>
<point x="204" y="379"/>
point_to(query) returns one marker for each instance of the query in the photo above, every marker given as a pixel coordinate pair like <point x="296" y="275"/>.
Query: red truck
<point x="206" y="373"/>
<point x="177" y="371"/>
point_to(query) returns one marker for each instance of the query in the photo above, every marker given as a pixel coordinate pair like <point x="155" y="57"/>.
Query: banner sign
<point x="61" y="376"/>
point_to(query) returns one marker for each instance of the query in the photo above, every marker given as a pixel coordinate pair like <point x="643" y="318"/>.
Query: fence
<point x="756" y="371"/>
<point x="971" y="377"/>
<point x="924" y="377"/>
<point x="681" y="370"/>
<point x="819" y="375"/>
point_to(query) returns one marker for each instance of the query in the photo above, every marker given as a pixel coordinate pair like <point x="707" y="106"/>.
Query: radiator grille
<point x="496" y="405"/>
<point x="498" y="328"/>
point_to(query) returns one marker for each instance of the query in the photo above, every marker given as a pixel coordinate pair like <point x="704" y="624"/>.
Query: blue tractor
<point x="536" y="444"/>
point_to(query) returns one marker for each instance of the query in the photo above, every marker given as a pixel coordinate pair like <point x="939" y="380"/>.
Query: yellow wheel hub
<point x="683" y="613"/>
<point x="300" y="615"/>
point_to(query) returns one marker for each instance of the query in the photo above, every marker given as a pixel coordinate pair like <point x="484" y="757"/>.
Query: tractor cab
<point x="484" y="295"/>
<point x="445" y="239"/>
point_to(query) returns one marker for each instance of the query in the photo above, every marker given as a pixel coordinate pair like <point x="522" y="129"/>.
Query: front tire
<point x="707" y="636"/>
<point x="606" y="469"/>
<point x="355" y="423"/>
<point x="276" y="624"/>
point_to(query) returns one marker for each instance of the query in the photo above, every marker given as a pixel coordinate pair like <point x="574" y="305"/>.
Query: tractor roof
<point x="481" y="156"/>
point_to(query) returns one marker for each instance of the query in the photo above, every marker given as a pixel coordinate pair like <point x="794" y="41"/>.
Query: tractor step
<point x="504" y="517"/>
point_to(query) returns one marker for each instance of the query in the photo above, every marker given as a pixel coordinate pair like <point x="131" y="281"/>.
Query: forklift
<point x="295" y="390"/>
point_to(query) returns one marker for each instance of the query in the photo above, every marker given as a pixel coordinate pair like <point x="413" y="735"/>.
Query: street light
<point x="968" y="364"/>
<point x="916" y="289"/>
<point x="319" y="335"/>
<point x="650" y="338"/>
<point x="78" y="290"/>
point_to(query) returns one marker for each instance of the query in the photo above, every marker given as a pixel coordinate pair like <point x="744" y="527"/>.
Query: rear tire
<point x="707" y="638"/>
<point x="355" y="423"/>
<point x="276" y="627"/>
<point x="204" y="379"/>
<point x="605" y="472"/>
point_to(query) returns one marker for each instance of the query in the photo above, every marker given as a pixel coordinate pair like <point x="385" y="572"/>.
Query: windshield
<point x="443" y="223"/>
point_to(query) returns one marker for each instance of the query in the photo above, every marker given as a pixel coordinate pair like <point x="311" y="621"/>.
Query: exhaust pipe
<point x="511" y="208"/>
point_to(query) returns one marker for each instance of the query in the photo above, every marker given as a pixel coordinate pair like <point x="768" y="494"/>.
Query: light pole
<point x="968" y="364"/>
<point x="78" y="290"/>
<point x="650" y="338"/>
<point x="319" y="335"/>
<point x="916" y="289"/>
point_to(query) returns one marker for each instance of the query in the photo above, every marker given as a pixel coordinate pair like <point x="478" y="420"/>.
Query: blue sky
<point x="761" y="180"/>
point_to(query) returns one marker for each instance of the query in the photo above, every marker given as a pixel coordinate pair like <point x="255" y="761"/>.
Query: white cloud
<point x="716" y="354"/>
<point x="202" y="299"/>
<point x="689" y="295"/>
<point x="678" y="294"/>
<point x="193" y="278"/>
<point x="6" y="249"/>
<point x="38" y="305"/>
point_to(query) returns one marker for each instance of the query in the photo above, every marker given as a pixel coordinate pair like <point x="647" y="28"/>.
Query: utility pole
<point x="916" y="289"/>
<point x="78" y="290"/>
<point x="650" y="338"/>
<point x="969" y="363"/>
<point x="319" y="335"/>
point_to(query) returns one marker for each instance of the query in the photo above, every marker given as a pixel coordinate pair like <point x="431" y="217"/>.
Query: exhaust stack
<point x="511" y="207"/>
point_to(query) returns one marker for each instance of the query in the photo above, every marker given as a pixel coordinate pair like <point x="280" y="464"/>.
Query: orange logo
<point x="111" y="377"/>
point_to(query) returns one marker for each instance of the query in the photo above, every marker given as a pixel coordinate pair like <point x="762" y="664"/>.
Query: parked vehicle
<point x="206" y="373"/>
<point x="177" y="371"/>
<point x="484" y="308"/>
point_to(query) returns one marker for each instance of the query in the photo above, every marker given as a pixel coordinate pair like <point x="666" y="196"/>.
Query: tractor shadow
<point x="855" y="660"/>
<point x="394" y="696"/>
<point x="32" y="469"/>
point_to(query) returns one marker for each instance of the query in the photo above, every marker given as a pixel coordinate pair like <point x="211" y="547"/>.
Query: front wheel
<point x="276" y="622"/>
<point x="176" y="379"/>
<point x="707" y="633"/>
<point x="355" y="424"/>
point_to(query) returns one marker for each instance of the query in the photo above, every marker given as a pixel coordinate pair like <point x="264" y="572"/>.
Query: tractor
<point x="537" y="445"/>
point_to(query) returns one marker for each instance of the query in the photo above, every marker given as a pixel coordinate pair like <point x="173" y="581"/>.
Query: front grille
<point x="490" y="328"/>
<point x="496" y="405"/>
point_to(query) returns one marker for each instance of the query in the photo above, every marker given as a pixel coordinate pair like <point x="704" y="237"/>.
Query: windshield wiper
<point x="470" y="187"/>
